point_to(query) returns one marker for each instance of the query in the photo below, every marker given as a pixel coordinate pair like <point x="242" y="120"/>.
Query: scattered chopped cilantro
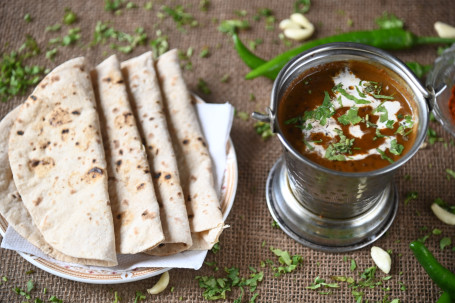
<point x="113" y="5"/>
<point x="275" y="224"/>
<point x="371" y="87"/>
<point x="384" y="155"/>
<point x="410" y="196"/>
<point x="254" y="43"/>
<point x="444" y="205"/>
<point x="336" y="151"/>
<point x="433" y="136"/>
<point x="446" y="241"/>
<point x="339" y="88"/>
<point x="54" y="299"/>
<point x="28" y="18"/>
<point x="320" y="283"/>
<point x="288" y="263"/>
<point x="131" y="5"/>
<point x="350" y="117"/>
<point x="353" y="265"/>
<point x="243" y="115"/>
<point x="203" y="87"/>
<point x="418" y="69"/>
<point x="53" y="28"/>
<point x="103" y="33"/>
<point x="216" y="248"/>
<point x="241" y="13"/>
<point x="139" y="297"/>
<point x="30" y="272"/>
<point x="230" y="26"/>
<point x="50" y="54"/>
<point x="70" y="17"/>
<point x="148" y="5"/>
<point x="450" y="173"/>
<point x="205" y="52"/>
<point x="204" y="5"/>
<point x="302" y="6"/>
<point x="385" y="114"/>
<point x="117" y="298"/>
<point x="180" y="17"/>
<point x="159" y="45"/>
<point x="74" y="34"/>
<point x="436" y="231"/>
<point x="382" y="97"/>
<point x="322" y="112"/>
<point x="396" y="148"/>
<point x="225" y="78"/>
<point x="387" y="21"/>
<point x="263" y="129"/>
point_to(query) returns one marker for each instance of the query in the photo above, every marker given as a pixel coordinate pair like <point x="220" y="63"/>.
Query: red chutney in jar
<point x="349" y="116"/>
<point x="452" y="104"/>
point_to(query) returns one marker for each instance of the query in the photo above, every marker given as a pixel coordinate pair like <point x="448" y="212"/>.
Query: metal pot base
<point x="325" y="234"/>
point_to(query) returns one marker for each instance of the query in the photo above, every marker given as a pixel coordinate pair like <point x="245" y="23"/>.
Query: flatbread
<point x="147" y="102"/>
<point x="194" y="162"/>
<point x="14" y="211"/>
<point x="134" y="206"/>
<point x="58" y="164"/>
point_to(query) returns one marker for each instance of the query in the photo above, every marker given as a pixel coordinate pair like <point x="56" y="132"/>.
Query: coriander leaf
<point x="215" y="248"/>
<point x="203" y="87"/>
<point x="160" y="45"/>
<point x="263" y="129"/>
<point x="302" y="6"/>
<point x="50" y="54"/>
<point x="436" y="231"/>
<point x="388" y="21"/>
<point x="204" y="5"/>
<point x="384" y="155"/>
<point x="383" y="97"/>
<point x="343" y="92"/>
<point x="28" y="18"/>
<point x="390" y="124"/>
<point x="336" y="151"/>
<point x="117" y="298"/>
<point x="450" y="173"/>
<point x="204" y="52"/>
<point x="353" y="265"/>
<point x="444" y="205"/>
<point x="446" y="241"/>
<point x="70" y="17"/>
<point x="231" y="26"/>
<point x="385" y="114"/>
<point x="30" y="286"/>
<point x="72" y="37"/>
<point x="243" y="115"/>
<point x="113" y="5"/>
<point x="396" y="148"/>
<point x="418" y="69"/>
<point x="180" y="17"/>
<point x="131" y="5"/>
<point x="411" y="196"/>
<point x="322" y="112"/>
<point x="53" y="28"/>
<point x="139" y="297"/>
<point x="351" y="117"/>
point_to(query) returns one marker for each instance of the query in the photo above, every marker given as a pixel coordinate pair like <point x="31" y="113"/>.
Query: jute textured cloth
<point x="250" y="221"/>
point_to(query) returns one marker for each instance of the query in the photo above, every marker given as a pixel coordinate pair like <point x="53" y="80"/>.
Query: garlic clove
<point x="381" y="258"/>
<point x="442" y="214"/>
<point x="298" y="34"/>
<point x="287" y="23"/>
<point x="301" y="20"/>
<point x="444" y="30"/>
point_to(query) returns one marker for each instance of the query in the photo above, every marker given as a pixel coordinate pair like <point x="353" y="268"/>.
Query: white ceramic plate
<point x="227" y="195"/>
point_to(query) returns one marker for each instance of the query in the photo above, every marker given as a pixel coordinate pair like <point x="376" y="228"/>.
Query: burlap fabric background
<point x="250" y="221"/>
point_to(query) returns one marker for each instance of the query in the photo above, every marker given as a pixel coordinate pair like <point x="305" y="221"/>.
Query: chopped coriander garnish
<point x="230" y="26"/>
<point x="29" y="272"/>
<point x="436" y="231"/>
<point x="350" y="117"/>
<point x="243" y="115"/>
<point x="263" y="129"/>
<point x="241" y="13"/>
<point x="384" y="155"/>
<point x="148" y="6"/>
<point x="385" y="114"/>
<point x="387" y="21"/>
<point x="288" y="263"/>
<point x="433" y="136"/>
<point x="28" y="18"/>
<point x="225" y="78"/>
<point x="302" y="6"/>
<point x="204" y="52"/>
<point x="139" y="297"/>
<point x="53" y="28"/>
<point x="353" y="265"/>
<point x="204" y="5"/>
<point x="337" y="151"/>
<point x="389" y="124"/>
<point x="72" y="37"/>
<point x="383" y="97"/>
<point x="322" y="112"/>
<point x="160" y="45"/>
<point x="446" y="241"/>
<point x="50" y="54"/>
<point x="320" y="283"/>
<point x="252" y="97"/>
<point x="113" y="5"/>
<point x="396" y="148"/>
<point x="339" y="88"/>
<point x="117" y="298"/>
<point x="180" y="17"/>
<point x="411" y="196"/>
<point x="275" y="224"/>
<point x="131" y="5"/>
<point x="450" y="173"/>
<point x="254" y="43"/>
<point x="203" y="87"/>
<point x="70" y="17"/>
<point x="216" y="248"/>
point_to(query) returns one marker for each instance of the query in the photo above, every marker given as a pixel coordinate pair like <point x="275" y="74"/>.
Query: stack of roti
<point x="109" y="161"/>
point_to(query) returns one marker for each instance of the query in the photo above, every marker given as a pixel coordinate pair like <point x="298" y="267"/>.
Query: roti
<point x="194" y="162"/>
<point x="58" y="164"/>
<point x="145" y="96"/>
<point x="134" y="206"/>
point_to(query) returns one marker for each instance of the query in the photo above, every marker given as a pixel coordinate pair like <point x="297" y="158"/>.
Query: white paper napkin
<point x="216" y="122"/>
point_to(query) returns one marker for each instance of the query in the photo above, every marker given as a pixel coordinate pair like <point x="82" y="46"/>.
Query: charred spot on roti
<point x="120" y="81"/>
<point x="37" y="201"/>
<point x="151" y="119"/>
<point x="33" y="97"/>
<point x="193" y="178"/>
<point x="73" y="191"/>
<point x="179" y="194"/>
<point x="65" y="131"/>
<point x="125" y="202"/>
<point x="125" y="119"/>
<point x="168" y="176"/>
<point x="157" y="151"/>
<point x="55" y="78"/>
<point x="146" y="171"/>
<point x="189" y="198"/>
<point x="186" y="141"/>
<point x="120" y="152"/>
<point x="161" y="245"/>
<point x="157" y="175"/>
<point x="59" y="117"/>
<point x="116" y="144"/>
<point x="41" y="166"/>
<point x="119" y="216"/>
<point x="150" y="147"/>
<point x="76" y="112"/>
<point x="107" y="79"/>
<point x="140" y="186"/>
<point x="115" y="110"/>
<point x="20" y="133"/>
<point x="190" y="216"/>
<point x="94" y="161"/>
<point x="93" y="175"/>
<point x="148" y="215"/>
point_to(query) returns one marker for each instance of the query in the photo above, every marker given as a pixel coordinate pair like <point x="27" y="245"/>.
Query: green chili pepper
<point x="250" y="59"/>
<point x="444" y="298"/>
<point x="390" y="39"/>
<point x="438" y="273"/>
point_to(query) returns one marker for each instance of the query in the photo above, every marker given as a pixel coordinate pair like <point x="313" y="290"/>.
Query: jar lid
<point x="442" y="79"/>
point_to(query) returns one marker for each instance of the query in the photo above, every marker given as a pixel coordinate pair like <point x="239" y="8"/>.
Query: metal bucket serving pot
<point x="327" y="209"/>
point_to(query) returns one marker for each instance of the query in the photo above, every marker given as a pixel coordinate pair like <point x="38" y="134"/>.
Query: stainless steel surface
<point x="325" y="207"/>
<point x="317" y="232"/>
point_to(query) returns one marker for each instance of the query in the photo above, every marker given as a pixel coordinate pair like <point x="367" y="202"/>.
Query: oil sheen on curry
<point x="348" y="116"/>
